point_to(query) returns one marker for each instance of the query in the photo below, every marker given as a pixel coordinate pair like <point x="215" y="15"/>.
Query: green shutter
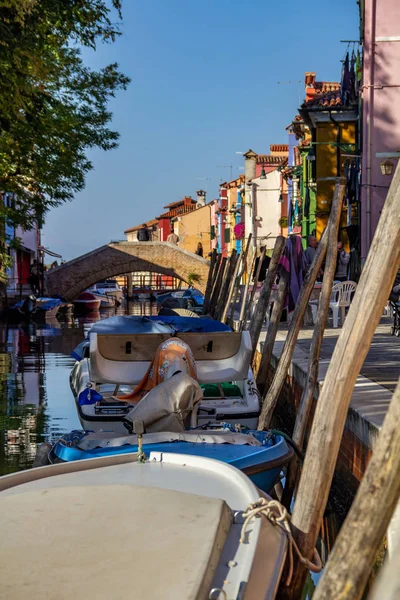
<point x="212" y="232"/>
<point x="227" y="235"/>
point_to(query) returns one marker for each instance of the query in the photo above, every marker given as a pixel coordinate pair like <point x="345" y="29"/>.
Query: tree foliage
<point x="53" y="107"/>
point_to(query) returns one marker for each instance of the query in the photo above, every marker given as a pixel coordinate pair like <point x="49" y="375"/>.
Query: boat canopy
<point x="171" y="325"/>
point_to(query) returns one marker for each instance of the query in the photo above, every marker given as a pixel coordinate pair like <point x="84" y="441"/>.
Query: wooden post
<point x="245" y="309"/>
<point x="217" y="285"/>
<point x="275" y="389"/>
<point x="238" y="279"/>
<point x="230" y="267"/>
<point x="351" y="349"/>
<point x="316" y="342"/>
<point x="263" y="301"/>
<point x="273" y="327"/>
<point x="245" y="293"/>
<point x="231" y="288"/>
<point x="207" y="295"/>
<point x="348" y="568"/>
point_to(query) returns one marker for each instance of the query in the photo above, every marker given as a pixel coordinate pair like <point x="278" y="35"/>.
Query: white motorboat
<point x="110" y="287"/>
<point x="115" y="363"/>
<point x="106" y="301"/>
<point x="171" y="527"/>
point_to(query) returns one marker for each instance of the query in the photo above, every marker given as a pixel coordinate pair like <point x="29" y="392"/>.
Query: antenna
<point x="226" y="167"/>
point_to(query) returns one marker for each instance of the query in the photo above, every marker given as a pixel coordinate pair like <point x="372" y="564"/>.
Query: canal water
<point x="36" y="403"/>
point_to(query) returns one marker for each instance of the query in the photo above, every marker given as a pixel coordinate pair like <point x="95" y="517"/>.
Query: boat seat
<point x="125" y="358"/>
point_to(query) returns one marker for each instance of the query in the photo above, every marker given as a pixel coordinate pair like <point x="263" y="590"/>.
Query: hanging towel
<point x="292" y="267"/>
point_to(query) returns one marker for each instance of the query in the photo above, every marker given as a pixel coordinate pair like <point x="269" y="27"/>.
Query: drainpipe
<point x="238" y="215"/>
<point x="249" y="212"/>
<point x="369" y="128"/>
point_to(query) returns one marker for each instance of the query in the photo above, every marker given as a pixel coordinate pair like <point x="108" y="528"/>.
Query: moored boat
<point x="106" y="301"/>
<point x="37" y="309"/>
<point x="259" y="454"/>
<point x="86" y="302"/>
<point x="118" y="354"/>
<point x="194" y="522"/>
<point x="109" y="287"/>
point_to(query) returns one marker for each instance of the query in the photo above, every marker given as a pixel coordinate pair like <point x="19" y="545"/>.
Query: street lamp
<point x="386" y="167"/>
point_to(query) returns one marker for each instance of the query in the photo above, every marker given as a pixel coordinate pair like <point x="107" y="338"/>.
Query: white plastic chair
<point x="333" y="304"/>
<point x="348" y="289"/>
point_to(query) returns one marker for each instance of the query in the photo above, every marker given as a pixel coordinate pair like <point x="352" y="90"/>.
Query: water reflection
<point x="36" y="403"/>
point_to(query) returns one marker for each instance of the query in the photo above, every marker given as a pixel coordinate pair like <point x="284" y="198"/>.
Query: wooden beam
<point x="348" y="568"/>
<point x="231" y="288"/>
<point x="275" y="389"/>
<point x="225" y="284"/>
<point x="316" y="342"/>
<point x="263" y="301"/>
<point x="273" y="326"/>
<point x="210" y="279"/>
<point x="217" y="285"/>
<point x="351" y="349"/>
<point x="246" y="306"/>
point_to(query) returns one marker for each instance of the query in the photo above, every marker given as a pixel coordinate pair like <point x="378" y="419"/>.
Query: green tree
<point x="53" y="107"/>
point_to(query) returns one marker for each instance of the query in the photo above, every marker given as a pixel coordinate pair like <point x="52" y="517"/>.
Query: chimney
<point x="250" y="159"/>
<point x="201" y="198"/>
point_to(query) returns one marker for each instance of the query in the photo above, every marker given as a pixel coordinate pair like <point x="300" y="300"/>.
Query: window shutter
<point x="227" y="235"/>
<point x="212" y="232"/>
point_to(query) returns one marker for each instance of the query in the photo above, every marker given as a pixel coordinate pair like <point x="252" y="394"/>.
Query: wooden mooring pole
<point x="348" y="568"/>
<point x="246" y="306"/>
<point x="231" y="289"/>
<point x="230" y="268"/>
<point x="217" y="285"/>
<point x="273" y="326"/>
<point x="271" y="398"/>
<point x="263" y="301"/>
<point x="236" y="282"/>
<point x="316" y="342"/>
<point x="210" y="281"/>
<point x="351" y="349"/>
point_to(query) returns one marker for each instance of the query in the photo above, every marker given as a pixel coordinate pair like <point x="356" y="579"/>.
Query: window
<point x="227" y="235"/>
<point x="212" y="232"/>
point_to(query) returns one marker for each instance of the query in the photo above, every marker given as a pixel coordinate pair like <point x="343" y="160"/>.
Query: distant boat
<point x="106" y="301"/>
<point x="109" y="287"/>
<point x="37" y="309"/>
<point x="171" y="527"/>
<point x="87" y="302"/>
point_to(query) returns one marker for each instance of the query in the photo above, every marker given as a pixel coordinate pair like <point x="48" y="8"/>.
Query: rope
<point x="279" y="516"/>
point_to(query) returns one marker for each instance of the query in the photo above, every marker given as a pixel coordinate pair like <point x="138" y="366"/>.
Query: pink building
<point x="380" y="22"/>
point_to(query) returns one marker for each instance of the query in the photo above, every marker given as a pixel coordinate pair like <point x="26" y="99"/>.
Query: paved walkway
<point x="382" y="363"/>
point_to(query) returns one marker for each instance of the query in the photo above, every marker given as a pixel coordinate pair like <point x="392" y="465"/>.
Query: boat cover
<point x="168" y="406"/>
<point x="147" y="536"/>
<point x="103" y="439"/>
<point x="122" y="324"/>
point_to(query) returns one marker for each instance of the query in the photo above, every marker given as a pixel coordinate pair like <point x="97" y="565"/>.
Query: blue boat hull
<point x="263" y="464"/>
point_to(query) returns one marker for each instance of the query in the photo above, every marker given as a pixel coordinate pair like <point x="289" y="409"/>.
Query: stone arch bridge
<point x="117" y="258"/>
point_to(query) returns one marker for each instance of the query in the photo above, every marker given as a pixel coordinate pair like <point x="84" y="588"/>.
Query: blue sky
<point x="204" y="86"/>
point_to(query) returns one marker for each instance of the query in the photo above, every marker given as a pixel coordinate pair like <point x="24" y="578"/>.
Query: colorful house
<point x="175" y="209"/>
<point x="265" y="200"/>
<point x="380" y="92"/>
<point x="195" y="226"/>
<point x="328" y="151"/>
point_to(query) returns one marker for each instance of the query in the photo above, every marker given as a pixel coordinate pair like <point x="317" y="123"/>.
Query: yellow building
<point x="333" y="127"/>
<point x="194" y="227"/>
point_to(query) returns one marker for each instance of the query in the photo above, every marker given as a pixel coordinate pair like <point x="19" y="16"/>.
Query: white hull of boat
<point x="116" y="365"/>
<point x="171" y="527"/>
<point x="243" y="409"/>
